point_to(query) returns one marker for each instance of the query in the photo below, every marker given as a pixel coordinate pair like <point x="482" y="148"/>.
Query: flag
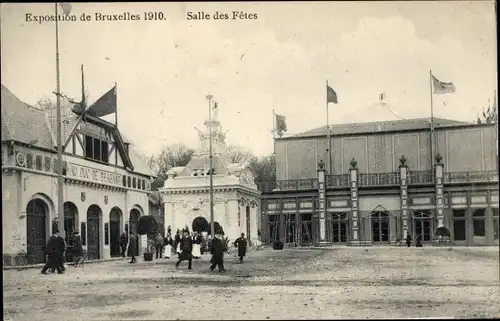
<point x="105" y="105"/>
<point x="215" y="106"/>
<point x="442" y="87"/>
<point x="66" y="6"/>
<point x="331" y="95"/>
<point x="280" y="124"/>
<point x="381" y="96"/>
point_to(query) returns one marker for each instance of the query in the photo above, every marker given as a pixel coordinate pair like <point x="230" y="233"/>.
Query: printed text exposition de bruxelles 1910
<point x="146" y="16"/>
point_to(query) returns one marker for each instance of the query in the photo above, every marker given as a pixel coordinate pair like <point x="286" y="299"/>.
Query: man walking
<point x="123" y="243"/>
<point x="241" y="244"/>
<point x="52" y="254"/>
<point x="217" y="249"/>
<point x="186" y="246"/>
<point x="61" y="251"/>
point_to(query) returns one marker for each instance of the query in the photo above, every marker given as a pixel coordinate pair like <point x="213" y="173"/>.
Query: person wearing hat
<point x="242" y="244"/>
<point x="77" y="250"/>
<point x="52" y="251"/>
<point x="217" y="250"/>
<point x="186" y="246"/>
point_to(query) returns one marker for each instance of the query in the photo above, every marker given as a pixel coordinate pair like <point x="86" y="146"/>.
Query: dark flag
<point x="331" y="95"/>
<point x="105" y="105"/>
<point x="280" y="124"/>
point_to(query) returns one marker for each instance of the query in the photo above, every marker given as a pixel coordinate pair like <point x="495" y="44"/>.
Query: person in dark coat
<point x="61" y="246"/>
<point x="177" y="243"/>
<point x="123" y="243"/>
<point x="408" y="239"/>
<point x="418" y="241"/>
<point x="186" y="246"/>
<point x="217" y="249"/>
<point x="241" y="243"/>
<point x="132" y="248"/>
<point x="77" y="250"/>
<point x="52" y="251"/>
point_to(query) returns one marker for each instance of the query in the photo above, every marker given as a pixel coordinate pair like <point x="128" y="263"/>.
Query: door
<point x="93" y="232"/>
<point x="134" y="221"/>
<point x="422" y="225"/>
<point x="339" y="227"/>
<point x="36" y="216"/>
<point x="380" y="227"/>
<point x="114" y="231"/>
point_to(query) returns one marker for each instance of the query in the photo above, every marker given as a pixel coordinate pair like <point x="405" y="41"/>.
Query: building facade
<point x="235" y="195"/>
<point x="382" y="184"/>
<point x="106" y="183"/>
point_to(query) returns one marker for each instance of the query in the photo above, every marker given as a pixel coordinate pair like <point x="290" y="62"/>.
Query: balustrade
<point x="470" y="177"/>
<point x="337" y="180"/>
<point x="420" y="177"/>
<point x="379" y="179"/>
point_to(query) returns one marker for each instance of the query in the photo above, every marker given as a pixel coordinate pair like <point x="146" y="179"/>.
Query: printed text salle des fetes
<point x="234" y="15"/>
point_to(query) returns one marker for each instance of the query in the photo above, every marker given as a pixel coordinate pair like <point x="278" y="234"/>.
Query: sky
<point x="279" y="61"/>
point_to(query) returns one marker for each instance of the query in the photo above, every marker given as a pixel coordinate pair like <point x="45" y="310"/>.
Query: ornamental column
<point x="439" y="190"/>
<point x="353" y="179"/>
<point x="322" y="203"/>
<point x="403" y="175"/>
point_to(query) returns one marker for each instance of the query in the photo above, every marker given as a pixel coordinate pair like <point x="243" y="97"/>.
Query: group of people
<point x="418" y="241"/>
<point x="55" y="250"/>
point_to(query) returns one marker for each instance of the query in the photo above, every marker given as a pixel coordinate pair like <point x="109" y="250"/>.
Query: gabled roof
<point x="22" y="122"/>
<point x="26" y="124"/>
<point x="378" y="126"/>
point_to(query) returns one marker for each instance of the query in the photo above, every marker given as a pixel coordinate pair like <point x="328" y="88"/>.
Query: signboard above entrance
<point x="93" y="174"/>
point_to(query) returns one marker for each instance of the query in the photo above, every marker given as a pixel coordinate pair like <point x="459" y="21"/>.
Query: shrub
<point x="147" y="225"/>
<point x="200" y="224"/>
<point x="218" y="228"/>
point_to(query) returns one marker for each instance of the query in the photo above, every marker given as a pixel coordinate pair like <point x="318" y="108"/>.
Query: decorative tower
<point x="218" y="137"/>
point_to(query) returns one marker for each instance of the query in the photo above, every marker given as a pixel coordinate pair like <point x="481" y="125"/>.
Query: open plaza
<point x="340" y="282"/>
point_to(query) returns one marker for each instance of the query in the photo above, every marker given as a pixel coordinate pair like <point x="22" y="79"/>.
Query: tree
<point x="239" y="154"/>
<point x="171" y="156"/>
<point x="45" y="103"/>
<point x="200" y="224"/>
<point x="218" y="228"/>
<point x="264" y="168"/>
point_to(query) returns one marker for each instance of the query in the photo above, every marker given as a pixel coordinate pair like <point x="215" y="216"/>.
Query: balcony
<point x="420" y="177"/>
<point x="470" y="177"/>
<point x="379" y="179"/>
<point x="289" y="185"/>
<point x="333" y="181"/>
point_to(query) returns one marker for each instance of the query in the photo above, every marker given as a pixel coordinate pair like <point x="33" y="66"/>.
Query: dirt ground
<point x="345" y="282"/>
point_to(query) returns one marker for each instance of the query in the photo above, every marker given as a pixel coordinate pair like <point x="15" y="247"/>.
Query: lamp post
<point x="210" y="99"/>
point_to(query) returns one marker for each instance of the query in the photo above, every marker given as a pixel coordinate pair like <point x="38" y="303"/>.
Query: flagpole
<point x="60" y="189"/>
<point x="274" y="133"/>
<point x="432" y="123"/>
<point x="116" y="119"/>
<point x="328" y="134"/>
<point x="212" y="223"/>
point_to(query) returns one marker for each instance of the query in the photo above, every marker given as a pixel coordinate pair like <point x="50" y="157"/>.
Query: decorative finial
<point x="354" y="164"/>
<point x="439" y="158"/>
<point x="402" y="162"/>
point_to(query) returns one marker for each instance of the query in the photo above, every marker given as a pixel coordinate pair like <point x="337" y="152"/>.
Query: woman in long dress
<point x="196" y="245"/>
<point x="168" y="246"/>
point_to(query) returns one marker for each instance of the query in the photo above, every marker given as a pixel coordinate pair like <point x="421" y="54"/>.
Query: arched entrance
<point x="422" y="225"/>
<point x="115" y="220"/>
<point x="339" y="227"/>
<point x="133" y="222"/>
<point x="36" y="230"/>
<point x="70" y="222"/>
<point x="380" y="226"/>
<point x="94" y="214"/>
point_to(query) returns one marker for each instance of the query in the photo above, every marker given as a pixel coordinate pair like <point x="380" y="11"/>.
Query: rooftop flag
<point x="442" y="87"/>
<point x="105" y="105"/>
<point x="331" y="95"/>
<point x="280" y="124"/>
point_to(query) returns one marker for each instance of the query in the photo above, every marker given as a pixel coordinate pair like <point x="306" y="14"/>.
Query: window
<point x="29" y="160"/>
<point x="459" y="230"/>
<point x="144" y="184"/>
<point x="124" y="181"/>
<point x="96" y="149"/>
<point x="38" y="163"/>
<point x="479" y="227"/>
<point x="83" y="233"/>
<point x="459" y="213"/>
<point x="480" y="212"/>
<point x="106" y="233"/>
<point x="47" y="163"/>
<point x="496" y="232"/>
<point x="134" y="183"/>
<point x="129" y="181"/>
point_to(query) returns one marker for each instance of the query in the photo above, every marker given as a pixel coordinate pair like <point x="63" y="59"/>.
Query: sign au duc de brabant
<point x="93" y="174"/>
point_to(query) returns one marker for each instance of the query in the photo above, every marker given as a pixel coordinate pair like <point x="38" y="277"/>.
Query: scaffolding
<point x="294" y="227"/>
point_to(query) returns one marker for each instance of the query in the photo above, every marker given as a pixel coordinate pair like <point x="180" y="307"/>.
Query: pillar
<point x="403" y="173"/>
<point x="322" y="203"/>
<point x="439" y="193"/>
<point x="353" y="179"/>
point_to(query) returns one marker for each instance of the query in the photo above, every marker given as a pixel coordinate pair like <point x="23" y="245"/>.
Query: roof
<point x="377" y="126"/>
<point x="26" y="124"/>
<point x="202" y="162"/>
<point x="22" y="122"/>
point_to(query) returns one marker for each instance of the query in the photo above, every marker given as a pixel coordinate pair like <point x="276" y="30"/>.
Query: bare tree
<point x="264" y="168"/>
<point x="239" y="154"/>
<point x="175" y="155"/>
